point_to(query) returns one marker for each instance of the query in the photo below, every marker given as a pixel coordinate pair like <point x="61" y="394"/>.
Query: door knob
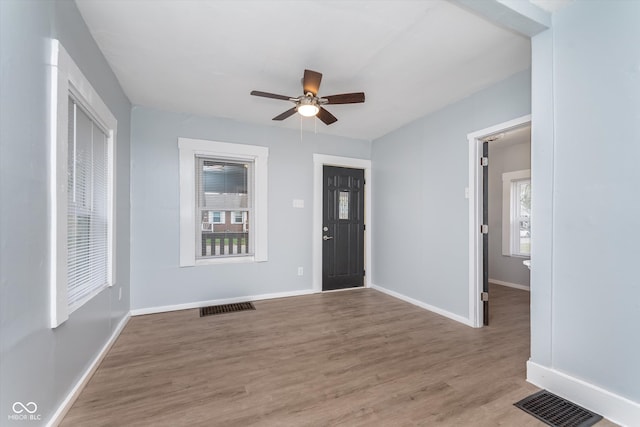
<point x="327" y="237"/>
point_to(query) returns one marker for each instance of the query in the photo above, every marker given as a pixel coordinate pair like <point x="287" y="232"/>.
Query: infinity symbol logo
<point x="19" y="407"/>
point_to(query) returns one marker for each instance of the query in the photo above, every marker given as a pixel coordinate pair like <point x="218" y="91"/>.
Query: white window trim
<point x="233" y="219"/>
<point x="508" y="208"/>
<point x="189" y="149"/>
<point x="65" y="78"/>
<point x="223" y="218"/>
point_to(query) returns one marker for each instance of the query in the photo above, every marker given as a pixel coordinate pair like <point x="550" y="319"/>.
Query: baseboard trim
<point x="198" y="304"/>
<point x="345" y="289"/>
<point x="616" y="408"/>
<point x="510" y="285"/>
<point x="424" y="305"/>
<point x="73" y="394"/>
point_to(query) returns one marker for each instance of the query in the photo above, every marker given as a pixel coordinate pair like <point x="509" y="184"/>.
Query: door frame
<point x="475" y="212"/>
<point x="319" y="161"/>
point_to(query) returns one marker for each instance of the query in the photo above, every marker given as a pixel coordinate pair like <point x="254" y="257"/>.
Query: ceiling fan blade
<point x="269" y="95"/>
<point x="311" y="81"/>
<point x="290" y="112"/>
<point x="326" y="116"/>
<point x="345" y="98"/>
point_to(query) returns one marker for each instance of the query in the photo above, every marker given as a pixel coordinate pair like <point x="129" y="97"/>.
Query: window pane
<point x="224" y="203"/>
<point x="224" y="184"/>
<point x="237" y="217"/>
<point x="343" y="207"/>
<point x="87" y="202"/>
<point x="524" y="216"/>
<point x="213" y="217"/>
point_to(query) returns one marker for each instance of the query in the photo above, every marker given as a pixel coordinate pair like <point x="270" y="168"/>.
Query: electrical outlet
<point x="300" y="271"/>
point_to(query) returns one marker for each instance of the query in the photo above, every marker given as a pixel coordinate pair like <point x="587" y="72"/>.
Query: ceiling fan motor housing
<point x="310" y="104"/>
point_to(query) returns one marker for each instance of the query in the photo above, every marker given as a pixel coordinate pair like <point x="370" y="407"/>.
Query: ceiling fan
<point x="310" y="104"/>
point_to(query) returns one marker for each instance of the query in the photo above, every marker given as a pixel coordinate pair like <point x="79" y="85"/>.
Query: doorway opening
<point x="319" y="235"/>
<point x="480" y="226"/>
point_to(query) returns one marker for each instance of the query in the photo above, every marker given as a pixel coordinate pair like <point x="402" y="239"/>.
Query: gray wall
<point x="504" y="157"/>
<point x="156" y="278"/>
<point x="37" y="363"/>
<point x="586" y="303"/>
<point x="420" y="172"/>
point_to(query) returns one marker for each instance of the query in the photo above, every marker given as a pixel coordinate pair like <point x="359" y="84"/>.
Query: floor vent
<point x="225" y="308"/>
<point x="556" y="411"/>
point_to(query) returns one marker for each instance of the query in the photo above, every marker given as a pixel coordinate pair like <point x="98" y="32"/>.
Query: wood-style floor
<point x="356" y="358"/>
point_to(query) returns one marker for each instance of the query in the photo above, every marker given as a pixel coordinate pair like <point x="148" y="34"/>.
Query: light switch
<point x="298" y="203"/>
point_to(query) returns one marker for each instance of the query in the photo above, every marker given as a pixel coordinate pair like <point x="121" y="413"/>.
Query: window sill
<point x="226" y="260"/>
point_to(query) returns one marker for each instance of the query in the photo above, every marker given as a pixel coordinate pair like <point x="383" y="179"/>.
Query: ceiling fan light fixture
<point x="308" y="110"/>
<point x="310" y="104"/>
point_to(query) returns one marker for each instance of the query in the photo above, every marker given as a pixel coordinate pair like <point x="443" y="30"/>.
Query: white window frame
<point x="515" y="220"/>
<point x="243" y="215"/>
<point x="189" y="149"/>
<point x="65" y="79"/>
<point x="510" y="224"/>
<point x="223" y="218"/>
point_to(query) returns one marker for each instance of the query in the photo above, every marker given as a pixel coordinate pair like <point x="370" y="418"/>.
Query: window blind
<point x="87" y="219"/>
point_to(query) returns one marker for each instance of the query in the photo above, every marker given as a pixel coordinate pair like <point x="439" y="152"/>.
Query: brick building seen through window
<point x="225" y="221"/>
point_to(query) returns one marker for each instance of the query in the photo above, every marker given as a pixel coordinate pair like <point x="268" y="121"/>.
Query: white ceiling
<point x="203" y="57"/>
<point x="551" y="5"/>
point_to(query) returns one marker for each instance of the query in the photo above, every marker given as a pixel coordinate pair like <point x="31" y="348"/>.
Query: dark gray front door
<point x="343" y="228"/>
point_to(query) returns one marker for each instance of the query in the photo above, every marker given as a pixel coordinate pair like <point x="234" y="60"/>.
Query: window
<point x="343" y="205"/>
<point x="239" y="217"/>
<point x="216" y="217"/>
<point x="516" y="213"/>
<point x="82" y="159"/>
<point x="210" y="218"/>
<point x="225" y="186"/>
<point x="87" y="199"/>
<point x="521" y="231"/>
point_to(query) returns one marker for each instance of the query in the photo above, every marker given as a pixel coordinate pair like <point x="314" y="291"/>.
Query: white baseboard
<point x="611" y="406"/>
<point x="66" y="404"/>
<point x="198" y="304"/>
<point x="509" y="284"/>
<point x="345" y="289"/>
<point x="424" y="305"/>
